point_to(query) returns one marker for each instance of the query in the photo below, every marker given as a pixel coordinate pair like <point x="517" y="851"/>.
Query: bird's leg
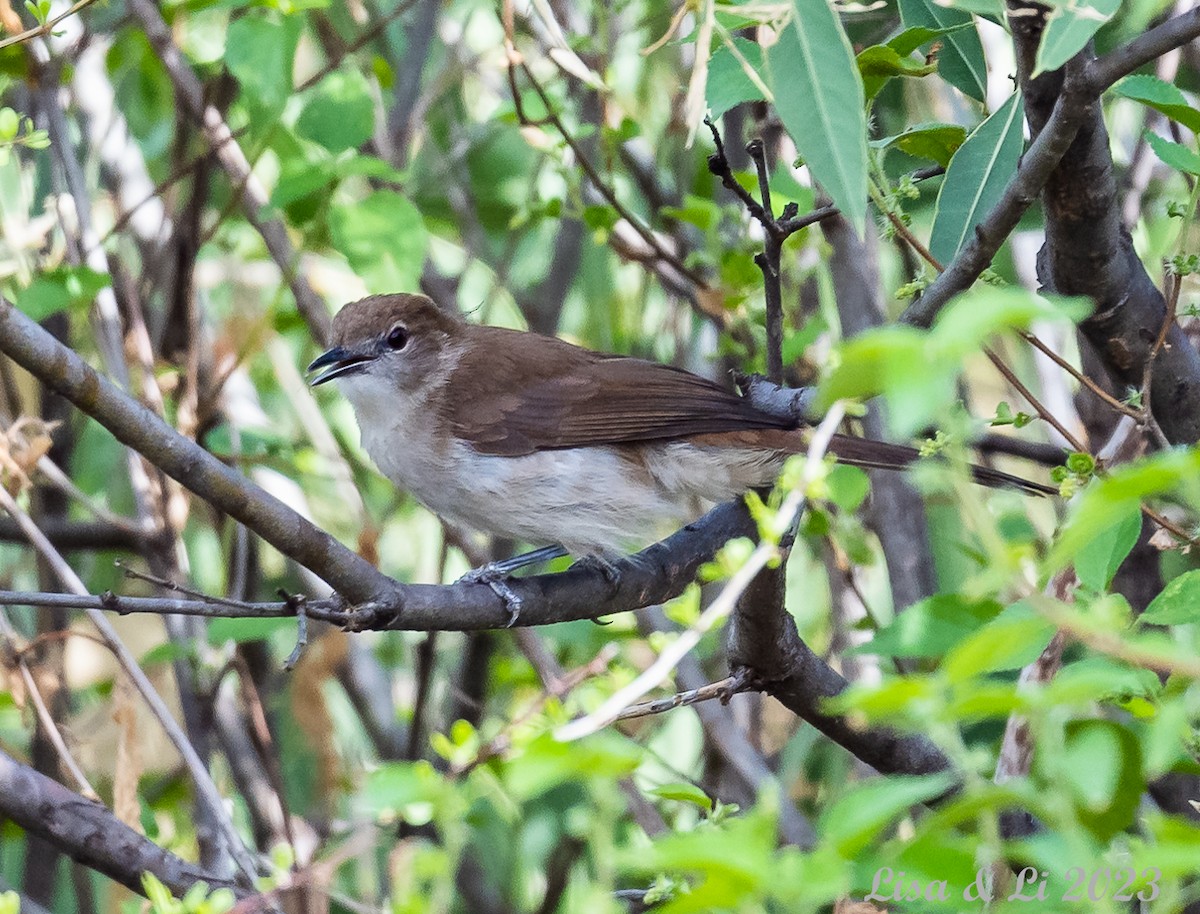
<point x="496" y="575"/>
<point x="505" y="567"/>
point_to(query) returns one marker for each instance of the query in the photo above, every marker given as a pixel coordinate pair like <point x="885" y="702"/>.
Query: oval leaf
<point x="384" y="239"/>
<point x="1161" y="96"/>
<point x="1178" y="603"/>
<point x="728" y="82"/>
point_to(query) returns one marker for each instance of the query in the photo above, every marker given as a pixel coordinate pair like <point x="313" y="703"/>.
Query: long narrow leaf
<point x="976" y="178"/>
<point x="819" y="96"/>
<point x="1068" y="29"/>
<point x="960" y="60"/>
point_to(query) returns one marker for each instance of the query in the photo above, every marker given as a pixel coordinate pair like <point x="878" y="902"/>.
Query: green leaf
<point x="912" y="38"/>
<point x="1098" y="561"/>
<point x="394" y="788"/>
<point x="384" y="239"/>
<point x="1101" y="761"/>
<point x="1178" y="603"/>
<point x="298" y="178"/>
<point x="684" y="792"/>
<point x="938" y="142"/>
<point x="884" y="359"/>
<point x="260" y="49"/>
<point x="1176" y="155"/>
<point x="1068" y="28"/>
<point x="702" y="212"/>
<point x="819" y="97"/>
<point x="1162" y="96"/>
<point x="728" y="84"/>
<point x="548" y="763"/>
<point x="848" y="487"/>
<point x="881" y="62"/>
<point x="1010" y="641"/>
<point x="916" y="370"/>
<point x="10" y="123"/>
<point x="158" y="894"/>
<point x="60" y="289"/>
<point x="960" y="60"/>
<point x="1107" y="500"/>
<point x="931" y="627"/>
<point x="855" y="819"/>
<point x="979" y="313"/>
<point x="339" y="114"/>
<point x="976" y="178"/>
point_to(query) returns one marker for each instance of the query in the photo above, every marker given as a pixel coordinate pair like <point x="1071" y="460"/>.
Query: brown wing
<point x="515" y="393"/>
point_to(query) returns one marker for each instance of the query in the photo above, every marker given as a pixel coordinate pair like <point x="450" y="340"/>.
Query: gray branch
<point x="90" y="834"/>
<point x="1079" y="96"/>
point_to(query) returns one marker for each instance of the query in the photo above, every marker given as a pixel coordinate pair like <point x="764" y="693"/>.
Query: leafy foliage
<point x="537" y="174"/>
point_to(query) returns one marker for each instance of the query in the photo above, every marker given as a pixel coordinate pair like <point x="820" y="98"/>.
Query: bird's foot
<point x="496" y="575"/>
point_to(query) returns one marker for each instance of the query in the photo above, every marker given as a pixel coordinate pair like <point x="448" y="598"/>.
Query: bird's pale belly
<point x="591" y="500"/>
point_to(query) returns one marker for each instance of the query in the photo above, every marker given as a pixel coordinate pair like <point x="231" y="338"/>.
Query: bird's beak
<point x="339" y="362"/>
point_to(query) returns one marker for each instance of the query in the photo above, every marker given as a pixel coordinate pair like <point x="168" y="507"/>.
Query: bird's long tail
<point x="882" y="455"/>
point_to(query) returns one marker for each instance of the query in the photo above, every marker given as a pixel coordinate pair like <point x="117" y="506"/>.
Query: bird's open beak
<point x="339" y="362"/>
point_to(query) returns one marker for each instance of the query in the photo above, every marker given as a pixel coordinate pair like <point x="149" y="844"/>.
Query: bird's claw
<point x="496" y="576"/>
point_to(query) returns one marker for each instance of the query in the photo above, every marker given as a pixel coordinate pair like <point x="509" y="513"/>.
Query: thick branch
<point x="89" y="833"/>
<point x="1089" y="252"/>
<point x="653" y="576"/>
<point x="183" y="460"/>
<point x="1070" y="109"/>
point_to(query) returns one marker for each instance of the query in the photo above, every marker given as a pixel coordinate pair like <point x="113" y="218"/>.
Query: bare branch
<point x="183" y="460"/>
<point x="89" y="833"/>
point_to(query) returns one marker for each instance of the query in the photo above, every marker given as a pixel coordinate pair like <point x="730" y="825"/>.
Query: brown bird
<point x="532" y="438"/>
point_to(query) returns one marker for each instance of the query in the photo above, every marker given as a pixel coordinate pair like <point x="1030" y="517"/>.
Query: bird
<point x="535" y="439"/>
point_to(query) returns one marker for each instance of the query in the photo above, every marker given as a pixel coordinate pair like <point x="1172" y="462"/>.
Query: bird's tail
<point x="882" y="455"/>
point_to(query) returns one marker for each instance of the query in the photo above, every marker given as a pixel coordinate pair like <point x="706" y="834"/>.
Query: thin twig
<point x="605" y="191"/>
<point x="46" y="28"/>
<point x="722" y="690"/>
<point x="297" y="602"/>
<point x="49" y="725"/>
<point x="176" y="587"/>
<point x="1033" y="401"/>
<point x="248" y="190"/>
<point x="1109" y="399"/>
<point x="1174" y="284"/>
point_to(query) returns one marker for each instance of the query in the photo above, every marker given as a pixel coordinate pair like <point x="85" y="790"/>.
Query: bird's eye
<point x="397" y="337"/>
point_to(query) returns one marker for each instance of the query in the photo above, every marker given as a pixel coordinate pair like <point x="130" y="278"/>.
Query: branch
<point x="1077" y="99"/>
<point x="657" y="574"/>
<point x="183" y="460"/>
<point x="91" y="835"/>
<point x="1103" y="72"/>
<point x="48" y="27"/>
<point x="654" y="575"/>
<point x="1088" y="250"/>
<point x="67" y="534"/>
